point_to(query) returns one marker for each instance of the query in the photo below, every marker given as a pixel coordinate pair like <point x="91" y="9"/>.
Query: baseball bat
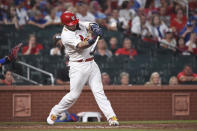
<point x="94" y="46"/>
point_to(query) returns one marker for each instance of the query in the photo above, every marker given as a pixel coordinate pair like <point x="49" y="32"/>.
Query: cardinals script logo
<point x="73" y="18"/>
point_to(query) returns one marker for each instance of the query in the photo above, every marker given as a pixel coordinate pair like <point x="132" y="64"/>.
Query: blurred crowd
<point x="170" y="23"/>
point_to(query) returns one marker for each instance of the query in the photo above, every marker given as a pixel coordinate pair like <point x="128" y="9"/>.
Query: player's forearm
<point x="87" y="43"/>
<point x="83" y="45"/>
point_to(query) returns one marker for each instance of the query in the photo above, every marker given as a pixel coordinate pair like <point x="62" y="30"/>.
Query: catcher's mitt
<point x="14" y="52"/>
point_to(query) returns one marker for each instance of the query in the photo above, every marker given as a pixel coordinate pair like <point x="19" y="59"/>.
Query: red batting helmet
<point x="69" y="19"/>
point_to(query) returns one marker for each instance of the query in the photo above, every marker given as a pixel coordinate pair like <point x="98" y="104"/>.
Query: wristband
<point x="91" y="42"/>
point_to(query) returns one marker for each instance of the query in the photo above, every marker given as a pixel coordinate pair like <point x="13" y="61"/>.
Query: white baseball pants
<point x="81" y="73"/>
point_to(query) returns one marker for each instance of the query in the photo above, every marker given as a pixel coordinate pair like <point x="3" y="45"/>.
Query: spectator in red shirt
<point x="127" y="49"/>
<point x="181" y="47"/>
<point x="192" y="4"/>
<point x="179" y="21"/>
<point x="187" y="75"/>
<point x="9" y="80"/>
<point x="33" y="48"/>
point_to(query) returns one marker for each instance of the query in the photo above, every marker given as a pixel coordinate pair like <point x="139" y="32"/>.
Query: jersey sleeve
<point x="71" y="40"/>
<point x="85" y="24"/>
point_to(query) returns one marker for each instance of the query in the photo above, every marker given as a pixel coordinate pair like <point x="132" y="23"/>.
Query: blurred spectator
<point x="188" y="29"/>
<point x="124" y="78"/>
<point x="140" y="26"/>
<point x="72" y="9"/>
<point x="58" y="46"/>
<point x="21" y="13"/>
<point x="181" y="47"/>
<point x="52" y="18"/>
<point x="83" y="14"/>
<point x="179" y="21"/>
<point x="113" y="44"/>
<point x="154" y="80"/>
<point x="187" y="75"/>
<point x="33" y="48"/>
<point x="173" y="9"/>
<point x="192" y="44"/>
<point x="126" y="14"/>
<point x="8" y="78"/>
<point x="192" y="4"/>
<point x="114" y="22"/>
<point x="173" y="81"/>
<point x="37" y="20"/>
<point x="141" y="3"/>
<point x="102" y="49"/>
<point x="168" y="42"/>
<point x="105" y="78"/>
<point x="127" y="49"/>
<point x="150" y="7"/>
<point x="158" y="28"/>
<point x="11" y="18"/>
<point x="193" y="17"/>
<point x="98" y="11"/>
<point x="164" y="16"/>
<point x="62" y="77"/>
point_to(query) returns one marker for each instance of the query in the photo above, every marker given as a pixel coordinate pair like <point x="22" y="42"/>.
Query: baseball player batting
<point x="83" y="68"/>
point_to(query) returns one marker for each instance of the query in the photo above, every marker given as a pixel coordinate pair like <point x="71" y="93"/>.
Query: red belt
<point x="86" y="60"/>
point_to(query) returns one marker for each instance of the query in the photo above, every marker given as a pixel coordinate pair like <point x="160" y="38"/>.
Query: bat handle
<point x="94" y="46"/>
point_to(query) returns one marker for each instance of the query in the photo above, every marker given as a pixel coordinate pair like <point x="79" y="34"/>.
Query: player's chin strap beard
<point x="72" y="29"/>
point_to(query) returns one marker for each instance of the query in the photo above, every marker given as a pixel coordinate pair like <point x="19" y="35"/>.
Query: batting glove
<point x="97" y="31"/>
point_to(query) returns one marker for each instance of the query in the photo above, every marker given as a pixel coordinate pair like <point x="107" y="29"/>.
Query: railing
<point x="37" y="69"/>
<point x="24" y="78"/>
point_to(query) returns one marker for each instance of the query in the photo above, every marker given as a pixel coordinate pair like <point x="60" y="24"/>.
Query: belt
<point x="86" y="60"/>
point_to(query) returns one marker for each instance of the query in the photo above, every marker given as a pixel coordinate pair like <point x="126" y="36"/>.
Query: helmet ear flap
<point x="69" y="19"/>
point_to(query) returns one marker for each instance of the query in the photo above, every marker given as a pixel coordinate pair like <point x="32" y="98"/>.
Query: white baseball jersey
<point x="81" y="73"/>
<point x="71" y="39"/>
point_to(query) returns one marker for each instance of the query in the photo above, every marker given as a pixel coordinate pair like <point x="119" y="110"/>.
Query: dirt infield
<point x="44" y="126"/>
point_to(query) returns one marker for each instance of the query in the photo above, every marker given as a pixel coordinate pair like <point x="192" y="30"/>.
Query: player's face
<point x="72" y="28"/>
